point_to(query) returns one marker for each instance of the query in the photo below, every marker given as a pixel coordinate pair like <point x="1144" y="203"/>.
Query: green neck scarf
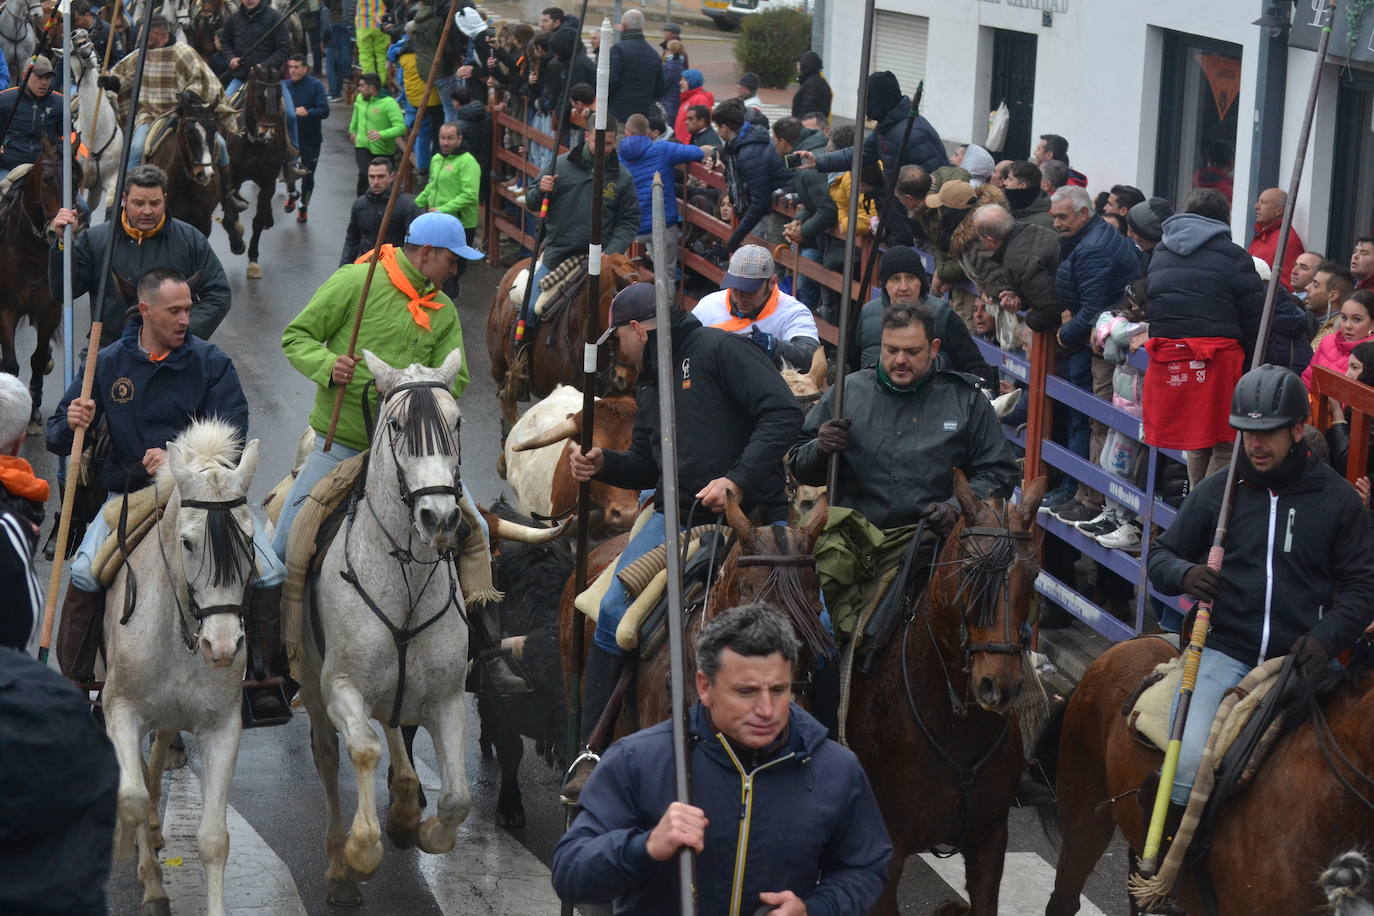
<point x="892" y="386"/>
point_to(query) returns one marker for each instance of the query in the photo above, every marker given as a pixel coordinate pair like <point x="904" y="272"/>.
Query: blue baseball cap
<point x="441" y="230"/>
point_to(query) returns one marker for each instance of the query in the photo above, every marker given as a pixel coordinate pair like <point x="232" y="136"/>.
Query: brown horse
<point x="25" y="217"/>
<point x="257" y="154"/>
<point x="188" y="158"/>
<point x="556" y="354"/>
<point x="930" y="722"/>
<point x="205" y="25"/>
<point x="1311" y="800"/>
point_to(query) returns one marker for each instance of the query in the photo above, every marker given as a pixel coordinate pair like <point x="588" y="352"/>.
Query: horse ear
<point x="381" y="371"/>
<point x="193" y="281"/>
<point x="968" y="500"/>
<point x="452" y="363"/>
<point x="815" y="523"/>
<point x="1030" y="500"/>
<point x="248" y="465"/>
<point x="736" y="519"/>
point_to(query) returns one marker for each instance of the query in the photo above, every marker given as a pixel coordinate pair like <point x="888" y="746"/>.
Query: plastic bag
<point x="998" y="122"/>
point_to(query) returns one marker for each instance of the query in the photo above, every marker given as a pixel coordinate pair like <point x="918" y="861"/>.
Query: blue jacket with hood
<point x="147" y="404"/>
<point x="644" y="156"/>
<point x="803" y="819"/>
<point x="1202" y="284"/>
<point x="1096" y="266"/>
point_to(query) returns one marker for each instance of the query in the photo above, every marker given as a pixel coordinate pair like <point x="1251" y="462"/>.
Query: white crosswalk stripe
<point x="1027" y="882"/>
<point x="256" y="881"/>
<point x="773" y="112"/>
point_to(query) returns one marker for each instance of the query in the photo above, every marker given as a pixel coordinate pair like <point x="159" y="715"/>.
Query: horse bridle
<point x="408" y="496"/>
<point x="193" y="607"/>
<point x="1011" y="644"/>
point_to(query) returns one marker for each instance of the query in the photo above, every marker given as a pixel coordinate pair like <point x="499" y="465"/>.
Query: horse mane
<point x="786" y="592"/>
<point x="213" y="444"/>
<point x="425" y="430"/>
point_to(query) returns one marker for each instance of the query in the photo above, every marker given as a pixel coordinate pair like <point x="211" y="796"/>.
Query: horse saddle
<point x="142" y="510"/>
<point x="560" y="286"/>
<point x="162" y="127"/>
<point x="11" y="181"/>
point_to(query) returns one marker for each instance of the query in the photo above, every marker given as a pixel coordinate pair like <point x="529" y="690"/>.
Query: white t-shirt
<point x="790" y="319"/>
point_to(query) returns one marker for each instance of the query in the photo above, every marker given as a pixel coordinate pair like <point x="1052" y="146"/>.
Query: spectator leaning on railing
<point x="1014" y="265"/>
<point x="753" y="169"/>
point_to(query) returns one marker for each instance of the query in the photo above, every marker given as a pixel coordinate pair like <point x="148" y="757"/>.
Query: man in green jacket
<point x="376" y="123"/>
<point x="408" y="319"/>
<point x="569" y="190"/>
<point x="454" y="180"/>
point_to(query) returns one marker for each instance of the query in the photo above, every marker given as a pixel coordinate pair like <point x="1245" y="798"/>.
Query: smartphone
<point x="792" y="160"/>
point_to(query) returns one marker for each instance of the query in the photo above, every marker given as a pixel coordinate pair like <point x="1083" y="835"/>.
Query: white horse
<point x="97" y="122"/>
<point x="394" y="628"/>
<point x="19" y="33"/>
<point x="177" y="662"/>
<point x="176" y="12"/>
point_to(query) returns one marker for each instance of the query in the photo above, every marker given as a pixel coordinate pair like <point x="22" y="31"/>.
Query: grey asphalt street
<point x="276" y="858"/>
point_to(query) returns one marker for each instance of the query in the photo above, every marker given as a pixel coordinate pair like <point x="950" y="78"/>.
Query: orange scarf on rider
<point x="397" y="275"/>
<point x="16" y="475"/>
<point x="736" y="323"/>
<point x="138" y="235"/>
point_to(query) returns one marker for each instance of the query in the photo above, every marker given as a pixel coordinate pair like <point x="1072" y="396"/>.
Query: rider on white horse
<point x="149" y="386"/>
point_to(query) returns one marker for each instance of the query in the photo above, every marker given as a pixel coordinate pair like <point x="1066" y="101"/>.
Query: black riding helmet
<point x="1268" y="398"/>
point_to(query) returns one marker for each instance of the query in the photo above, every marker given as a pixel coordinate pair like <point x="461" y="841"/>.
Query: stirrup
<point x="569" y="792"/>
<point x="271" y="688"/>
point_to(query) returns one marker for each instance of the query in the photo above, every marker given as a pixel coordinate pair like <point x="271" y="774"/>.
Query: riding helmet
<point x="1267" y="398"/>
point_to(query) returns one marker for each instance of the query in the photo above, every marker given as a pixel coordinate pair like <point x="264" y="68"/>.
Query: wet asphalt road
<point x="277" y="860"/>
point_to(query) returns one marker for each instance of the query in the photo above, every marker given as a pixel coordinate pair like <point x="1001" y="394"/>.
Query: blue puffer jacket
<point x="1096" y="266"/>
<point x="644" y="156"/>
<point x="807" y="819"/>
<point x="147" y="404"/>
<point x="754" y="170"/>
<point x="1202" y="284"/>
<point x="636" y="76"/>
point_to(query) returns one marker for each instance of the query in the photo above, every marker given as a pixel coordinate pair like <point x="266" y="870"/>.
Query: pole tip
<point x="658" y="179"/>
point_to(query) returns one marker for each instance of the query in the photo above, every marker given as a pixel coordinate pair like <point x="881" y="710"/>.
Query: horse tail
<point x="1044" y="764"/>
<point x="1343" y="882"/>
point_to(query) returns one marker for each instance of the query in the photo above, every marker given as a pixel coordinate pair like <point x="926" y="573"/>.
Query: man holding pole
<point x="1298" y="576"/>
<point x="31" y="112"/>
<point x="789" y="844"/>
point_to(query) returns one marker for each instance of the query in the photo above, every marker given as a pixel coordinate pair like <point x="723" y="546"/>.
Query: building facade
<point x="1166" y="95"/>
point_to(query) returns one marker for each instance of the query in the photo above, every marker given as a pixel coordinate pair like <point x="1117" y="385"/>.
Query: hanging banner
<point x="1310" y="16"/>
<point x="1223" y="77"/>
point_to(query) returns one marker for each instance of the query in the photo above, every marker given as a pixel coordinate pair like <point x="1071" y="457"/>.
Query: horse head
<point x="264" y="103"/>
<point x="43" y="187"/>
<point x="984" y="579"/>
<point x="196" y="131"/>
<point x="418" y="423"/>
<point x="777" y="566"/>
<point x="213" y="531"/>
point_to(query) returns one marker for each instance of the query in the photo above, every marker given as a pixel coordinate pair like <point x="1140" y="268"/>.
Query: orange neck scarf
<point x="397" y="275"/>
<point x="737" y="323"/>
<point x="138" y="235"/>
<point x="16" y="475"/>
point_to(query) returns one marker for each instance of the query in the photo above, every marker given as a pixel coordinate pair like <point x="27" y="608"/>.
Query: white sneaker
<point x="1126" y="537"/>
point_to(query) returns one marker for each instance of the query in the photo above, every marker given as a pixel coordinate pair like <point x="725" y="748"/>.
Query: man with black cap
<point x="1298" y="577"/>
<point x="1145" y="224"/>
<point x="736" y="419"/>
<point x="33" y="111"/>
<point x="889" y="108"/>
<point x="747" y="91"/>
<point x="752" y="306"/>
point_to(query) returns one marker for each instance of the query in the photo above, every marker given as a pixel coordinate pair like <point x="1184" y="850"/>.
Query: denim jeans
<point x="1217" y="674"/>
<point x="672" y="239"/>
<point x="444" y="85"/>
<point x="338" y="56"/>
<point x="270" y="570"/>
<point x="140" y="140"/>
<point x="289" y="106"/>
<point x="808" y="291"/>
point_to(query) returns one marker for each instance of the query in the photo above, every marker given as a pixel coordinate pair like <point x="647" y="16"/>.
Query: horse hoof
<point x="952" y="908"/>
<point x="435" y="838"/>
<point x="254" y="270"/>
<point x="511" y="820"/>
<point x="403" y="831"/>
<point x="363" y="861"/>
<point x="343" y="892"/>
<point x="161" y="907"/>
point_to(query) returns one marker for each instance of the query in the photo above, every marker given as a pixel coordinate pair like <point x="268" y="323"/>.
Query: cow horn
<point x="565" y="430"/>
<point x="525" y="534"/>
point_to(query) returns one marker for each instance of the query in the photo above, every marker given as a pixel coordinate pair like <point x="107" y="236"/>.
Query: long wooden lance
<point x="1192" y="654"/>
<point x="110" y="39"/>
<point x="667" y="435"/>
<point x="68" y="201"/>
<point x="401" y="175"/>
<point x="846" y="290"/>
<point x="589" y="360"/>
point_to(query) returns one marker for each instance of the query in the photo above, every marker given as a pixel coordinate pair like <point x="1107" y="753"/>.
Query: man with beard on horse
<point x="145" y="238"/>
<point x="149" y="386"/>
<point x="752" y="306"/>
<point x="33" y="111"/>
<point x="1298" y="576"/>
<point x="568" y="225"/>
<point x="908" y="425"/>
<point x="735" y="419"/>
<point x="408" y="319"/>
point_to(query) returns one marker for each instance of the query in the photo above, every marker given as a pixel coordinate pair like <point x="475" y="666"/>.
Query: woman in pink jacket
<point x="1354" y="327"/>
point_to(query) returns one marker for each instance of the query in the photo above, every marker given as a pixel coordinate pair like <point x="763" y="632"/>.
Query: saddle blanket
<point x="1148" y="718"/>
<point x="145" y="510"/>
<point x="553" y="288"/>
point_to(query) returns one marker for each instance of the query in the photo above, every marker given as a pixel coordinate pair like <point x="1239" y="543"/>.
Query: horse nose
<point x="440" y="521"/>
<point x="217" y="651"/>
<point x="989" y="694"/>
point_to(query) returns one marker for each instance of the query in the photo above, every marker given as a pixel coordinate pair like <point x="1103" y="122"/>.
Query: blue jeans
<point x="338" y="56"/>
<point x="271" y="571"/>
<point x="140" y="140"/>
<point x="808" y="291"/>
<point x="289" y="106"/>
<point x="1217" y="674"/>
<point x="541" y="270"/>
<point x="444" y="85"/>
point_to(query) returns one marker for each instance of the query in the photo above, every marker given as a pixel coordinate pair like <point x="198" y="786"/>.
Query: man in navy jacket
<point x="780" y="815"/>
<point x="312" y="107"/>
<point x="636" y="70"/>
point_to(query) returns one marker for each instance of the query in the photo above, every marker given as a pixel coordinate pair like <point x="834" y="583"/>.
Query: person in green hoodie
<point x="454" y="180"/>
<point x="408" y="319"/>
<point x="376" y="123"/>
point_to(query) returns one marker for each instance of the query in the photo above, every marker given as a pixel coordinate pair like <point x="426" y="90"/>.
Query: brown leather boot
<point x="79" y="633"/>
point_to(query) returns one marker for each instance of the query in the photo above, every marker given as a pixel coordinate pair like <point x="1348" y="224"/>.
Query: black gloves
<point x="833" y="436"/>
<point x="941" y="517"/>
<point x="1202" y="582"/>
<point x="110" y="83"/>
<point x="1309" y="655"/>
<point x="765" y="342"/>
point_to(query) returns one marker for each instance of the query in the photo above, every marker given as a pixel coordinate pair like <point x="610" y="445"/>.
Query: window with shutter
<point x="899" y="45"/>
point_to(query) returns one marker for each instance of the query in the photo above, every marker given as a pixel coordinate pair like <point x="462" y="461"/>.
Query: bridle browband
<point x="1010" y="645"/>
<point x="408" y="496"/>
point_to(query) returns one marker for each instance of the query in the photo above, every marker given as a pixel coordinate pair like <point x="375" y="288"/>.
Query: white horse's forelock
<point x="209" y="443"/>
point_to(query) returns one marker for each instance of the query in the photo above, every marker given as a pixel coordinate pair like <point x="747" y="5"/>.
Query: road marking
<point x="256" y="881"/>
<point x="1027" y="882"/>
<point x="490" y="873"/>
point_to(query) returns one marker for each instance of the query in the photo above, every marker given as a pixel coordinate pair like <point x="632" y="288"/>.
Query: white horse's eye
<point x="185" y="543"/>
<point x="394" y="422"/>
